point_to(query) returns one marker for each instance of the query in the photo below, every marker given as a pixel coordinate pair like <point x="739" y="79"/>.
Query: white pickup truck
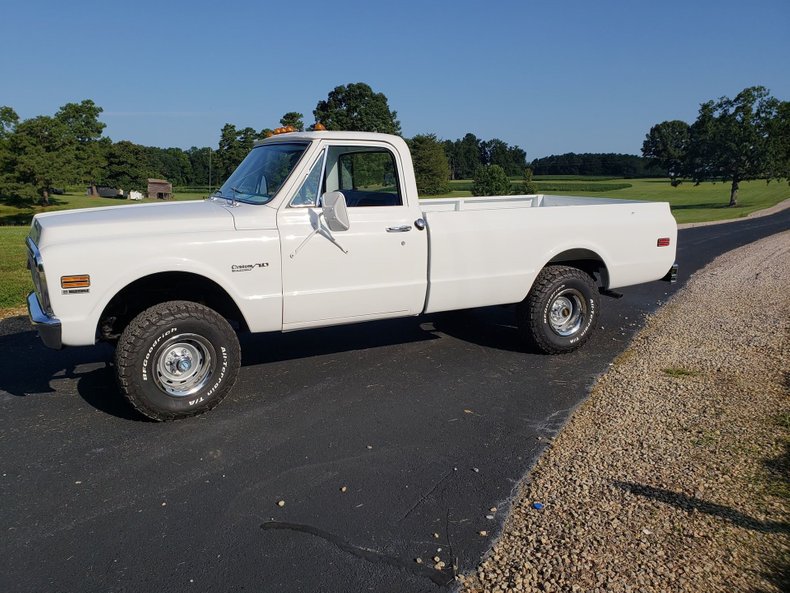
<point x="316" y="229"/>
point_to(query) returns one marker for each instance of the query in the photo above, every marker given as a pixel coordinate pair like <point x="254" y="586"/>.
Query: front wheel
<point x="560" y="310"/>
<point x="177" y="359"/>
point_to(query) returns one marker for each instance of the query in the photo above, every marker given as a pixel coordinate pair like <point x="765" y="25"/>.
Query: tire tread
<point x="529" y="313"/>
<point x="135" y="332"/>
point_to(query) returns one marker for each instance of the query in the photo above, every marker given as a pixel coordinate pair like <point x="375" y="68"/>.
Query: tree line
<point x="68" y="148"/>
<point x="596" y="164"/>
<point x="736" y="139"/>
<point x="732" y="140"/>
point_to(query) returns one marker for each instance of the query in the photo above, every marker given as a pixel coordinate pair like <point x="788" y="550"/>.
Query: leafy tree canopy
<point x="43" y="156"/>
<point x="8" y="121"/>
<point x="734" y="139"/>
<point x="233" y="147"/>
<point x="293" y="118"/>
<point x="81" y="120"/>
<point x="667" y="144"/>
<point x="355" y="107"/>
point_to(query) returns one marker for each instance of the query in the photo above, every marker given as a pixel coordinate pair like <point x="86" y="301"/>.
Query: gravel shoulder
<point x="673" y="475"/>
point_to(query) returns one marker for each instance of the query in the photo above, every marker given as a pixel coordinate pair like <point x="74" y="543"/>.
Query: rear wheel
<point x="560" y="310"/>
<point x="177" y="359"/>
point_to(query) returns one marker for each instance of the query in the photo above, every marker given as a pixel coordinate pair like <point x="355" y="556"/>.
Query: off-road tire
<point x="177" y="359"/>
<point x="557" y="295"/>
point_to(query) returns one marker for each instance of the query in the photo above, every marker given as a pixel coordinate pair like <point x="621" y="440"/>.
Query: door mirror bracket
<point x="335" y="210"/>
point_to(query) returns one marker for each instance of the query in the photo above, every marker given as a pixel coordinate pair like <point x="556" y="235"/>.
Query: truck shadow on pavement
<point x="29" y="369"/>
<point x="491" y="327"/>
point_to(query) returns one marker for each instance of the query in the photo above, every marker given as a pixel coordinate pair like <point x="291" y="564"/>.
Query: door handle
<point x="399" y="229"/>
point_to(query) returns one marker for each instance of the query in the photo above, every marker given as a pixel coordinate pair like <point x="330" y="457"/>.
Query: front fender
<point x="256" y="290"/>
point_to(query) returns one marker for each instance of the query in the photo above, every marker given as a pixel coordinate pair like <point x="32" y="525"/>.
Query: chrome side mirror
<point x="333" y="205"/>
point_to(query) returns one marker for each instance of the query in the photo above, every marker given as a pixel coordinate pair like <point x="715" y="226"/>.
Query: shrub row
<point x="580" y="187"/>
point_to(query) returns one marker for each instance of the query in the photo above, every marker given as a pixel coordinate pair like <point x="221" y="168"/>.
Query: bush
<point x="528" y="186"/>
<point x="491" y="180"/>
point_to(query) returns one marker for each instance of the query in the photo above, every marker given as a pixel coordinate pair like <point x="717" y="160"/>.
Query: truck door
<point x="375" y="269"/>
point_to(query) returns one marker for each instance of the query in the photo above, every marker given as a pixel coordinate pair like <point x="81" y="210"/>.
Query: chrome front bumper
<point x="48" y="327"/>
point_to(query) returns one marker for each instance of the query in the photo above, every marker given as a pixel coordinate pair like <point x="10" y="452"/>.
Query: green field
<point x="15" y="280"/>
<point x="690" y="203"/>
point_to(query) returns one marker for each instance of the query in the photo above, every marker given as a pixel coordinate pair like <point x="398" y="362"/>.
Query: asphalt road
<point x="428" y="423"/>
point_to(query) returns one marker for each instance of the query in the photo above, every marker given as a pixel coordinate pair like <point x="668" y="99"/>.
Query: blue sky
<point x="552" y="77"/>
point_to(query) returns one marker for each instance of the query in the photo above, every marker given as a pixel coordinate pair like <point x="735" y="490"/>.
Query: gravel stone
<point x="672" y="475"/>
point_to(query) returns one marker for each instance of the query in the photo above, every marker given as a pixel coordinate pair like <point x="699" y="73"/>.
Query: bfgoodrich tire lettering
<point x="560" y="311"/>
<point x="177" y="359"/>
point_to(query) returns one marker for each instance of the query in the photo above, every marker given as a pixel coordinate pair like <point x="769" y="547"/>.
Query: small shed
<point x="160" y="189"/>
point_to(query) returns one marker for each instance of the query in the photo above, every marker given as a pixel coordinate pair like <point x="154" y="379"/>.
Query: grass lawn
<point x="15" y="280"/>
<point x="690" y="203"/>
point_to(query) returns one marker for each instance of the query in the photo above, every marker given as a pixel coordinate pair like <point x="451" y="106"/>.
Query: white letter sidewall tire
<point x="177" y="359"/>
<point x="560" y="311"/>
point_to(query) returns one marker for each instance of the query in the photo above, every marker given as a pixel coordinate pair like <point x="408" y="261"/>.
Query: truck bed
<point x="500" y="202"/>
<point x="488" y="250"/>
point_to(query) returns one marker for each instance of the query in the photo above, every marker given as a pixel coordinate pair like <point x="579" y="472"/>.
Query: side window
<point x="309" y="191"/>
<point x="369" y="178"/>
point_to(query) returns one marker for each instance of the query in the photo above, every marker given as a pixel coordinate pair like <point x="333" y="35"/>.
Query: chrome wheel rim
<point x="567" y="312"/>
<point x="184" y="364"/>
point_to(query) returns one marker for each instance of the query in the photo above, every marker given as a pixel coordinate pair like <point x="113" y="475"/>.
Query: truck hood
<point x="136" y="219"/>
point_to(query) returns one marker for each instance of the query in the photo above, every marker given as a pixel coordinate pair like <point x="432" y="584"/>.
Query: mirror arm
<point x="318" y="230"/>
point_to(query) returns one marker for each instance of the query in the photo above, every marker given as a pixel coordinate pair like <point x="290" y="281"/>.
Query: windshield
<point x="261" y="174"/>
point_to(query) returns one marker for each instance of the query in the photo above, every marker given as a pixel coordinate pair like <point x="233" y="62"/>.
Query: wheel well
<point x="585" y="260"/>
<point x="159" y="288"/>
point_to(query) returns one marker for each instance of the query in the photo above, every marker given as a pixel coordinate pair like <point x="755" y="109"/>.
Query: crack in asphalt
<point x="425" y="496"/>
<point x="438" y="577"/>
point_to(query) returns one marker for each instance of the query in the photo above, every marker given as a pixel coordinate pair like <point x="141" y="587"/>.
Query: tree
<point x="497" y="152"/>
<point x="667" y="145"/>
<point x="200" y="159"/>
<point x="43" y="155"/>
<point x="468" y="156"/>
<point x="127" y="166"/>
<point x="491" y="180"/>
<point x="294" y="119"/>
<point x="732" y="140"/>
<point x="357" y="108"/>
<point x="431" y="169"/>
<point x="780" y="138"/>
<point x="8" y="121"/>
<point x="233" y="147"/>
<point x="83" y="127"/>
<point x="601" y="164"/>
